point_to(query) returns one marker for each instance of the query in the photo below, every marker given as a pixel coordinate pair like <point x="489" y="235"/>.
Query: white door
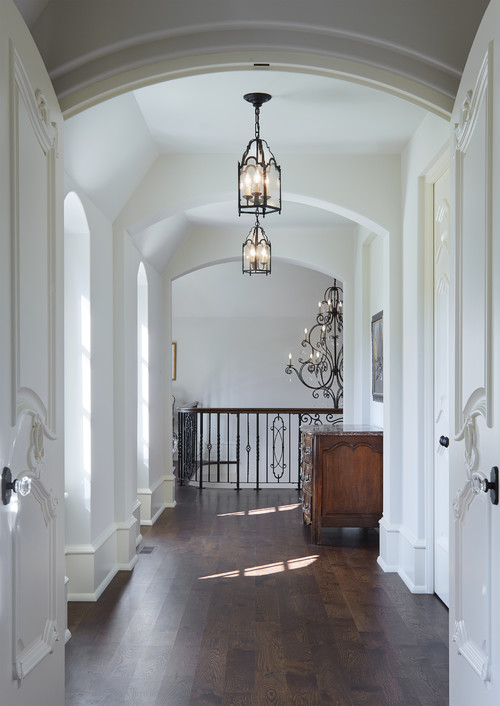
<point x="441" y="384"/>
<point x="32" y="592"/>
<point x="475" y="408"/>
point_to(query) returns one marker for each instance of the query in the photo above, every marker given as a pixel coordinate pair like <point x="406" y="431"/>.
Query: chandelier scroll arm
<point x="322" y="370"/>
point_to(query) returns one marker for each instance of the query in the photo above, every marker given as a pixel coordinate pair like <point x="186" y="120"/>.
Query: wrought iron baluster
<point x="257" y="450"/>
<point x="278" y="429"/>
<point x="237" y="451"/>
<point x="209" y="447"/>
<point x="228" y="449"/>
<point x="201" y="450"/>
<point x="180" y="455"/>
<point x="218" y="447"/>
<point x="267" y="448"/>
<point x="188" y="446"/>
<point x="248" y="448"/>
<point x="289" y="447"/>
<point x="299" y="456"/>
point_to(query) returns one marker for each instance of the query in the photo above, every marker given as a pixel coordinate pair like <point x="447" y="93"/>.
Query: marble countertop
<point x="341" y="429"/>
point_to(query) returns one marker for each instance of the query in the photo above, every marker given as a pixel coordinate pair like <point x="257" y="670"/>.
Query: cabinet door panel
<point x="352" y="480"/>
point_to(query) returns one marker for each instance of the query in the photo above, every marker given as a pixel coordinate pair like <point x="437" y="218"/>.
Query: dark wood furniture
<point x="342" y="477"/>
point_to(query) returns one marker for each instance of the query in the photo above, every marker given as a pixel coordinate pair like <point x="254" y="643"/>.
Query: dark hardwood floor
<point x="234" y="606"/>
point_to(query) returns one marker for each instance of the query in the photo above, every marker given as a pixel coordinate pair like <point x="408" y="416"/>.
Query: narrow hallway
<point x="234" y="606"/>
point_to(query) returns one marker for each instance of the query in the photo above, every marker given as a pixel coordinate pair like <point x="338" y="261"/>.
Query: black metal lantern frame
<point x="256" y="253"/>
<point x="321" y="369"/>
<point x="259" y="176"/>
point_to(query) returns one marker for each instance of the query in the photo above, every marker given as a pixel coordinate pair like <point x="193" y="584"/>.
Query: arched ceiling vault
<point x="94" y="49"/>
<point x="321" y="60"/>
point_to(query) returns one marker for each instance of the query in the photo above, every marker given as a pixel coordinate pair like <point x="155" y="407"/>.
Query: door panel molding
<point x="33" y="145"/>
<point x="442" y="313"/>
<point x="473" y="365"/>
<point x="29" y="649"/>
<point x="32" y="271"/>
<point x="442" y="230"/>
<point x="465" y="131"/>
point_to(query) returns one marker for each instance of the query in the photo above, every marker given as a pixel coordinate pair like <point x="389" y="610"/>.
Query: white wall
<point x="234" y="333"/>
<point x="91" y="546"/>
<point x="372" y="293"/>
<point x="160" y="492"/>
<point x="410" y="553"/>
<point x="107" y="542"/>
<point x="377" y="299"/>
<point x="77" y="412"/>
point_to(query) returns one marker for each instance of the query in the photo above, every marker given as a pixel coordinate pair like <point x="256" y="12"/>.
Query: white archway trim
<point x="180" y="210"/>
<point x="339" y="210"/>
<point x="115" y="74"/>
<point x="287" y="260"/>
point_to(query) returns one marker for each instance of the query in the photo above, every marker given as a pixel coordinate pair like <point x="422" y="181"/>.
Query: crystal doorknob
<point x="22" y="486"/>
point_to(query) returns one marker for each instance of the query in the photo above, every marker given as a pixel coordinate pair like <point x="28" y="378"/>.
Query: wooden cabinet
<point x="342" y="477"/>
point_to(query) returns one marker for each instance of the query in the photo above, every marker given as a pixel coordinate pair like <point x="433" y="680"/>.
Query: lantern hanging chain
<point x="257" y="123"/>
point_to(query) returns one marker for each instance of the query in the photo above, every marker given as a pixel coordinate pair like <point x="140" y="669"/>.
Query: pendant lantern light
<point x="259" y="176"/>
<point x="256" y="256"/>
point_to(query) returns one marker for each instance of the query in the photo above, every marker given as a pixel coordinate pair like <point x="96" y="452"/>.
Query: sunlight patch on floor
<point x="261" y="510"/>
<point x="266" y="569"/>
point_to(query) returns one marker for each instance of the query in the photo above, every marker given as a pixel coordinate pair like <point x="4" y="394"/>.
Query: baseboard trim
<point x="404" y="554"/>
<point x="87" y="563"/>
<point x="93" y="597"/>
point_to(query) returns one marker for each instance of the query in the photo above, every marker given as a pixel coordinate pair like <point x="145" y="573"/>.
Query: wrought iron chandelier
<point x="256" y="255"/>
<point x="259" y="176"/>
<point x="321" y="368"/>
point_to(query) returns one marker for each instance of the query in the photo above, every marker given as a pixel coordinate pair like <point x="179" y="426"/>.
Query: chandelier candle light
<point x="321" y="368"/>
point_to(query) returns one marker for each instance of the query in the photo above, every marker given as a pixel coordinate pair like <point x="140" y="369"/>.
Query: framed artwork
<point x="378" y="357"/>
<point x="174" y="361"/>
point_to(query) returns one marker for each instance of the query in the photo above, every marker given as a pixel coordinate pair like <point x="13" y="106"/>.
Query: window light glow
<point x="86" y="398"/>
<point x="142" y="373"/>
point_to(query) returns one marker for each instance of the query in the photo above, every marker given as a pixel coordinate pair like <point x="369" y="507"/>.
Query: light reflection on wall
<point x="145" y="394"/>
<point x="86" y="399"/>
<point x="142" y="379"/>
<point x="77" y="371"/>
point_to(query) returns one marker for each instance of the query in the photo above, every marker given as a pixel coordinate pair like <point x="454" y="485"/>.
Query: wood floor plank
<point x="235" y="606"/>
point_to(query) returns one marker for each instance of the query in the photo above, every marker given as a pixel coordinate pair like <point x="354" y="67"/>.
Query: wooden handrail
<point x="263" y="410"/>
